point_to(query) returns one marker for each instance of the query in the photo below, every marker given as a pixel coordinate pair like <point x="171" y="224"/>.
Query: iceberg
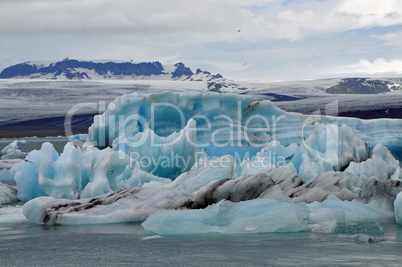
<point x="11" y="151"/>
<point x="214" y="163"/>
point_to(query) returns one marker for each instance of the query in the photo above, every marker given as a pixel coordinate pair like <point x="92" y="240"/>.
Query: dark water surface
<point x="126" y="244"/>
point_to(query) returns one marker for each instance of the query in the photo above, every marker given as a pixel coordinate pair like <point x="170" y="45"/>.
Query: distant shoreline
<point x="391" y="113"/>
<point x="46" y="127"/>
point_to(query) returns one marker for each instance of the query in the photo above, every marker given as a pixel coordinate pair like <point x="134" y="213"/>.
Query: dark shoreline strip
<point x="53" y="126"/>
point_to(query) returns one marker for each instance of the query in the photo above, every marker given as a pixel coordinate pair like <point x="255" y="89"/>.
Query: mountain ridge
<point x="105" y="69"/>
<point x="72" y="69"/>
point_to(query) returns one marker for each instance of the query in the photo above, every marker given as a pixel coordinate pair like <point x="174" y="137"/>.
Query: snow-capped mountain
<point x="71" y="69"/>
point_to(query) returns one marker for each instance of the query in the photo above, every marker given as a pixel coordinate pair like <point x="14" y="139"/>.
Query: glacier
<point x="211" y="163"/>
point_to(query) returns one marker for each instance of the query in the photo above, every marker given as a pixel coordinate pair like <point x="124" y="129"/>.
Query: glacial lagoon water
<point x="28" y="244"/>
<point x="36" y="143"/>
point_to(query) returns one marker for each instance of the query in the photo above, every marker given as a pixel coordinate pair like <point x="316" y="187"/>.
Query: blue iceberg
<point x="214" y="163"/>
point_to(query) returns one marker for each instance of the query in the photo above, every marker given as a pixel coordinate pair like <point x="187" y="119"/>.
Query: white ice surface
<point x="11" y="215"/>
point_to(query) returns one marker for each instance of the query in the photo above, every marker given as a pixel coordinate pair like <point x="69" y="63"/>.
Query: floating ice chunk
<point x="10" y="147"/>
<point x="11" y="151"/>
<point x="152" y="237"/>
<point x="127" y="205"/>
<point x="398" y="208"/>
<point x="253" y="216"/>
<point x="8" y="194"/>
<point x="12" y="215"/>
<point x="316" y="153"/>
<point x="381" y="165"/>
<point x="367" y="238"/>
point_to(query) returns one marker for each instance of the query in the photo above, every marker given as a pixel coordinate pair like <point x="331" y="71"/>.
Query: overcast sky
<point x="241" y="39"/>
